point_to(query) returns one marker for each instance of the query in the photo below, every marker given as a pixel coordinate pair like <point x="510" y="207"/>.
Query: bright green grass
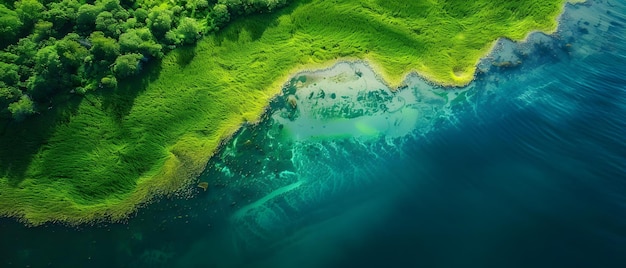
<point x="113" y="151"/>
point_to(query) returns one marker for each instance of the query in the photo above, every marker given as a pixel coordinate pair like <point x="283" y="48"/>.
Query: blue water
<point x="525" y="167"/>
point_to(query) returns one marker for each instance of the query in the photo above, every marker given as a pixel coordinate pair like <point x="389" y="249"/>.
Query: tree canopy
<point x="29" y="11"/>
<point x="22" y="108"/>
<point x="60" y="46"/>
<point x="127" y="65"/>
<point x="10" y="25"/>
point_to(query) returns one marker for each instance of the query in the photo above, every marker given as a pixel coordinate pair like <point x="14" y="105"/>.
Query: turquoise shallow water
<point x="525" y="167"/>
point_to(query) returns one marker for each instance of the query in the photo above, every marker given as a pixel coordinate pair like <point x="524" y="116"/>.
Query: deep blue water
<point x="525" y="167"/>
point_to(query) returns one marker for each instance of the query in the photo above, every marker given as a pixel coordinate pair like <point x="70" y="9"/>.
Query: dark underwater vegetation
<point x="109" y="104"/>
<point x="524" y="167"/>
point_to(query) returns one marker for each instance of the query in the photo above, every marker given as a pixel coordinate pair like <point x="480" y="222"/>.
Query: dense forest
<point x="53" y="47"/>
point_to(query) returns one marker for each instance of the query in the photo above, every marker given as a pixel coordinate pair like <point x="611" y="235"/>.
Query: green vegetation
<point x="92" y="43"/>
<point x="100" y="155"/>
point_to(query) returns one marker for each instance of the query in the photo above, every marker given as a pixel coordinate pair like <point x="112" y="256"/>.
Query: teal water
<point x="525" y="167"/>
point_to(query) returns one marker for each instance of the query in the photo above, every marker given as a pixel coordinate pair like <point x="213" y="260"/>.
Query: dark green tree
<point x="29" y="11"/>
<point x="62" y="15"/>
<point x="86" y="18"/>
<point x="10" y="26"/>
<point x="43" y="30"/>
<point x="22" y="108"/>
<point x="140" y="41"/>
<point x="108" y="82"/>
<point x="130" y="23"/>
<point x="25" y="49"/>
<point x="127" y="65"/>
<point x="241" y="7"/>
<point x="71" y="52"/>
<point x="47" y="61"/>
<point x="8" y="94"/>
<point x="159" y="22"/>
<point x="187" y="32"/>
<point x="218" y="17"/>
<point x="111" y="17"/>
<point x="141" y="15"/>
<point x="197" y="8"/>
<point x="109" y="5"/>
<point x="104" y="48"/>
<point x="106" y="23"/>
<point x="9" y="73"/>
<point x="48" y="75"/>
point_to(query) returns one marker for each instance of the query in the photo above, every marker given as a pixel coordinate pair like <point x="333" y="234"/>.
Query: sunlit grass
<point x="114" y="153"/>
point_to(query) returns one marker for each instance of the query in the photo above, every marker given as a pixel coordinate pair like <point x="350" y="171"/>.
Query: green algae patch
<point x="114" y="151"/>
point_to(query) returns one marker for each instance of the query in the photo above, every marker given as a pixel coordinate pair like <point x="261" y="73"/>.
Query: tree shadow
<point x="254" y="25"/>
<point x="184" y="55"/>
<point x="120" y="101"/>
<point x="20" y="141"/>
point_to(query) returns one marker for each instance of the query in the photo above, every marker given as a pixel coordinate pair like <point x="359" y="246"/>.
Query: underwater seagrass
<point x="113" y="151"/>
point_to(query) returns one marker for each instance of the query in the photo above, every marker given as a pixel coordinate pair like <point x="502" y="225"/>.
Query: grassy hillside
<point x="102" y="155"/>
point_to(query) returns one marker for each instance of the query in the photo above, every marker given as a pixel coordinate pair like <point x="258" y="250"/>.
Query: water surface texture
<point x="525" y="167"/>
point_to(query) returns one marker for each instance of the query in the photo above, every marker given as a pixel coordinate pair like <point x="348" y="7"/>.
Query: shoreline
<point x="183" y="171"/>
<point x="380" y="74"/>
